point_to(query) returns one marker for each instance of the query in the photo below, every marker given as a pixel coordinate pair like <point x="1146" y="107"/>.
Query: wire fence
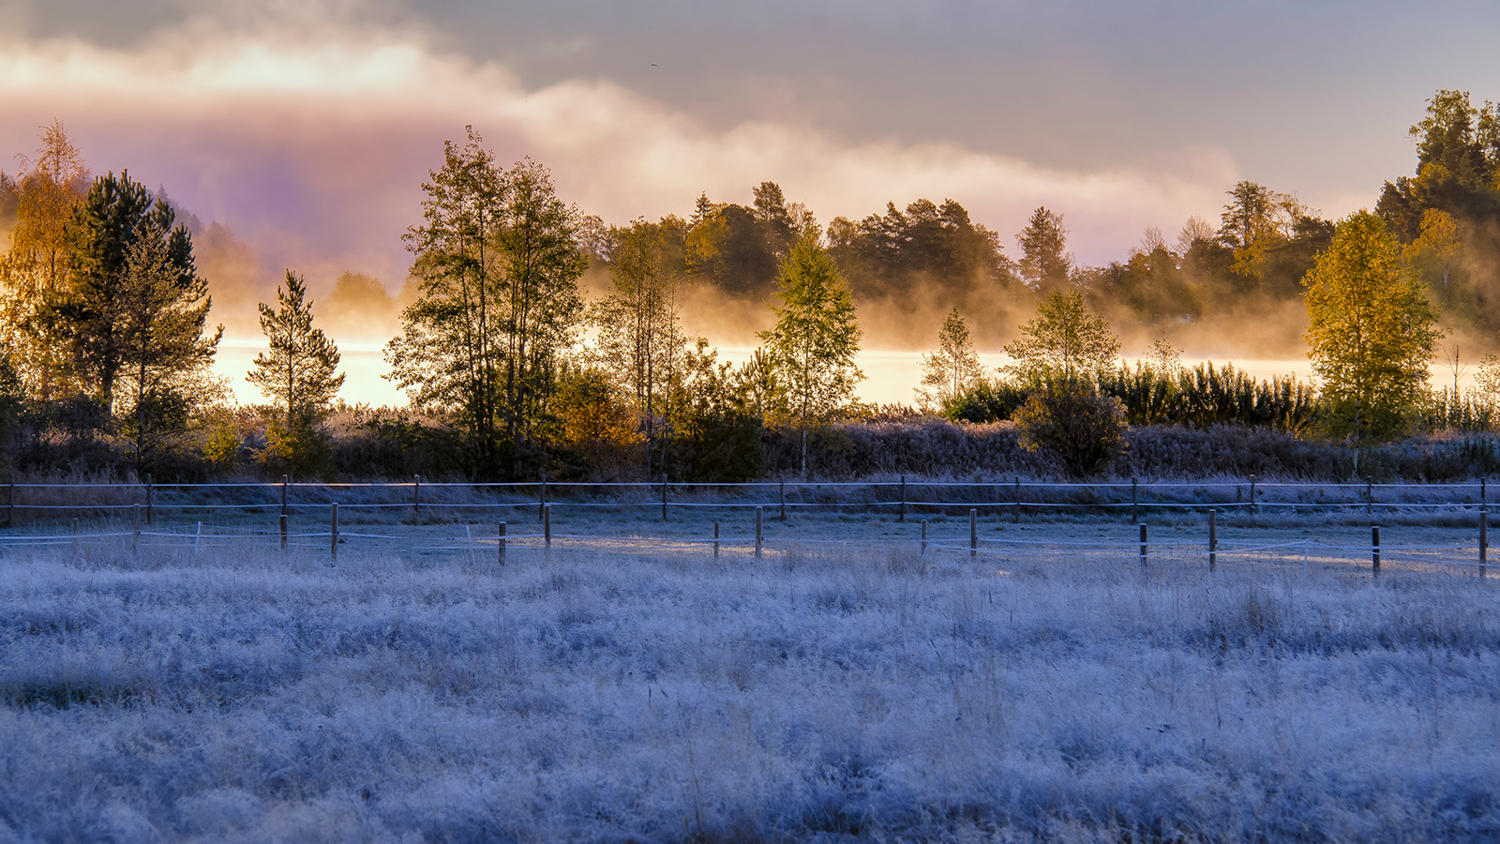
<point x="42" y="502"/>
<point x="490" y="547"/>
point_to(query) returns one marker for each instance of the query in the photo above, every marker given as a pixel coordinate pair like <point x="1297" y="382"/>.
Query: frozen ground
<point x="817" y="693"/>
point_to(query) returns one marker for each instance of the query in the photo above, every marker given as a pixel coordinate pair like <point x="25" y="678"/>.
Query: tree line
<point x="107" y="341"/>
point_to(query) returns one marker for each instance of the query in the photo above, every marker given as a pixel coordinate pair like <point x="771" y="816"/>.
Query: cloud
<point x="313" y="141"/>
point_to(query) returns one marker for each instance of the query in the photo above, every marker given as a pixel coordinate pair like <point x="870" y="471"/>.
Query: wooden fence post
<point x="416" y="497"/>
<point x="150" y="490"/>
<point x="285" y="479"/>
<point x="903" y="499"/>
<point x="282" y="520"/>
<point x="973" y="533"/>
<point x="758" y="536"/>
<point x="1143" y="545"/>
<point x="716" y="540"/>
<point x="547" y="528"/>
<point x="502" y="545"/>
<point x="782" y="494"/>
<point x="1135" y="507"/>
<point x="541" y="507"/>
<point x="664" y="496"/>
<point x="1375" y="549"/>
<point x="1213" y="540"/>
<point x="1369" y="499"/>
<point x="333" y="534"/>
<point x="135" y="527"/>
<point x="1252" y="498"/>
<point x="1484" y="541"/>
<point x="924" y="537"/>
<point x="1018" y="499"/>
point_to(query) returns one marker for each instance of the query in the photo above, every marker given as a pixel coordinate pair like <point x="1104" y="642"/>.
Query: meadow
<point x="815" y="693"/>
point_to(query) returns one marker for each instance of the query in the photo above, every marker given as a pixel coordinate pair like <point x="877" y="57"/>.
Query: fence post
<point x="1375" y="549"/>
<point x="924" y="537"/>
<point x="135" y="527"/>
<point x="783" y="500"/>
<point x="1369" y="499"/>
<point x="547" y="528"/>
<point x="75" y="540"/>
<point x="541" y="507"/>
<point x="1484" y="499"/>
<point x="1135" y="507"/>
<point x="284" y="481"/>
<point x="1143" y="545"/>
<point x="1213" y="540"/>
<point x="973" y="533"/>
<point x="716" y="540"/>
<point x="197" y="537"/>
<point x="502" y="545"/>
<point x="1252" y="498"/>
<point x="664" y="496"/>
<point x="10" y="503"/>
<point x="758" y="536"/>
<point x="1484" y="541"/>
<point x="903" y="499"/>
<point x="283" y="532"/>
<point x="416" y="497"/>
<point x="1018" y="499"/>
<point x="333" y="534"/>
<point x="149" y="499"/>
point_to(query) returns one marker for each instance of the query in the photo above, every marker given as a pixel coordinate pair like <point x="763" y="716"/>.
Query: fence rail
<point x="42" y="501"/>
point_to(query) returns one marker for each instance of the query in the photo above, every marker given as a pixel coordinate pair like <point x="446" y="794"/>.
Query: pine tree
<point x="298" y="371"/>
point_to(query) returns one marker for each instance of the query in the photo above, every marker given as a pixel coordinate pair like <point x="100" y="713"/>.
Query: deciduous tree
<point x="1372" y="330"/>
<point x="953" y="368"/>
<point x="815" y="339"/>
<point x="1064" y="341"/>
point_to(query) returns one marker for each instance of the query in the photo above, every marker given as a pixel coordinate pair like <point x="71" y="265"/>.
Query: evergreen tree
<point x="164" y="352"/>
<point x="297" y="372"/>
<point x="815" y="339"/>
<point x="1044" y="262"/>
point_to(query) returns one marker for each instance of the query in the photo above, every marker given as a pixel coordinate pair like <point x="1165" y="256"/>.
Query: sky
<point x="309" y="127"/>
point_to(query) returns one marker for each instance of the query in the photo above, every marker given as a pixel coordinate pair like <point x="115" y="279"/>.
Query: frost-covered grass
<point x="616" y="696"/>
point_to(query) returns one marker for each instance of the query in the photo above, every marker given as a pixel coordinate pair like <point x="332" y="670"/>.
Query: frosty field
<point x="811" y="694"/>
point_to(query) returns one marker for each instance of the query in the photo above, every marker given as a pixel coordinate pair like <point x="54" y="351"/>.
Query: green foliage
<point x="297" y="372"/>
<point x="1064" y="341"/>
<point x="989" y="400"/>
<point x="1081" y="428"/>
<point x="816" y="337"/>
<point x="716" y="429"/>
<point x="1372" y="331"/>
<point x="497" y="263"/>
<point x="953" y="368"/>
<point x="1205" y="396"/>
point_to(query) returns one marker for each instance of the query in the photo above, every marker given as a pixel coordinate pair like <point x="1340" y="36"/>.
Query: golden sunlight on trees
<point x="1372" y="331"/>
<point x="1044" y="262"/>
<point x="815" y="339"/>
<point x="640" y="335"/>
<point x="33" y="273"/>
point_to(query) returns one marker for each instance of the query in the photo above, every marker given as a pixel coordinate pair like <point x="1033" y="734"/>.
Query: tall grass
<point x="799" y="697"/>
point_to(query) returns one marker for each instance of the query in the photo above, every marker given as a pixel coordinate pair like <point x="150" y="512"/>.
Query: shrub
<point x="1083" y="428"/>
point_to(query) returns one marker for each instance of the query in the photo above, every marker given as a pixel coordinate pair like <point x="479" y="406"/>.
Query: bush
<point x="1082" y="428"/>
